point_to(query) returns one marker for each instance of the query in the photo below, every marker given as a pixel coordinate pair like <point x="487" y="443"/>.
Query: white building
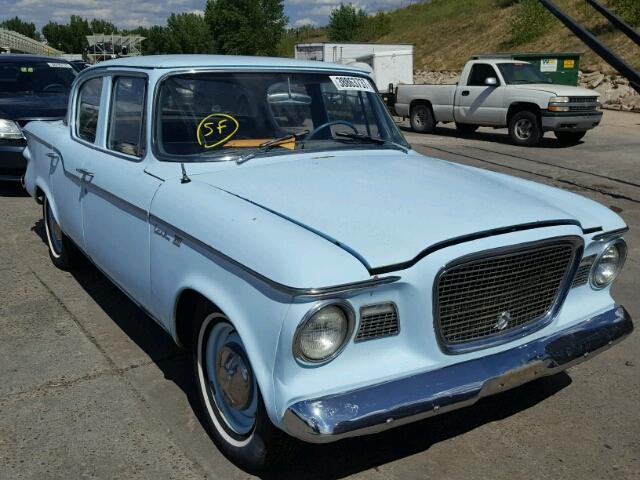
<point x="389" y="62"/>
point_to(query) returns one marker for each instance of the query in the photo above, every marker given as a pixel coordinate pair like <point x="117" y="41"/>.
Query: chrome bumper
<point x="380" y="407"/>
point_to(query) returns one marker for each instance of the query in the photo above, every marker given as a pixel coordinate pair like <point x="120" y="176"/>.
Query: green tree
<point x="247" y="27"/>
<point x="25" y="28"/>
<point x="71" y="37"/>
<point x="99" y="26"/>
<point x="345" y="22"/>
<point x="188" y="33"/>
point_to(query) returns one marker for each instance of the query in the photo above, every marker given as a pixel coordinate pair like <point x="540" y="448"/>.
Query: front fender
<point x="207" y="240"/>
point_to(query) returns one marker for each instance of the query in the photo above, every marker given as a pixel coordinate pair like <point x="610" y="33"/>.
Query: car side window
<point x="88" y="109"/>
<point x="479" y="73"/>
<point x="126" y="122"/>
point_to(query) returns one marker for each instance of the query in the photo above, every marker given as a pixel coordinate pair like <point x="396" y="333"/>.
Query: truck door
<point x="477" y="102"/>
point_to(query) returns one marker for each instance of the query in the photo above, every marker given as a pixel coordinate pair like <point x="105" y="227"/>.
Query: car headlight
<point x="557" y="104"/>
<point x="559" y="100"/>
<point x="9" y="130"/>
<point x="323" y="332"/>
<point x="608" y="264"/>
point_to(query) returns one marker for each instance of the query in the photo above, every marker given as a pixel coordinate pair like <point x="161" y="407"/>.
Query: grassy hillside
<point x="447" y="32"/>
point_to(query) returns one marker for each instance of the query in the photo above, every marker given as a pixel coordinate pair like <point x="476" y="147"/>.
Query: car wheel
<point x="421" y="119"/>
<point x="62" y="251"/>
<point x="525" y="129"/>
<point x="570" y="137"/>
<point x="465" y="128"/>
<point x="231" y="399"/>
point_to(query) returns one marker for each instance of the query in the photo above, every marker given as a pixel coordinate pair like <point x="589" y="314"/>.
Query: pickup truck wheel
<point x="232" y="403"/>
<point x="62" y="251"/>
<point x="466" y="128"/>
<point x="569" y="138"/>
<point x="421" y="119"/>
<point x="525" y="129"/>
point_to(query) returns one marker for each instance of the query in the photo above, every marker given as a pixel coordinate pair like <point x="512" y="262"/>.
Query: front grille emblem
<point x="503" y="321"/>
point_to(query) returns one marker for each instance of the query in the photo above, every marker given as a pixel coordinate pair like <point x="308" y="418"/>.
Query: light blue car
<point x="330" y="281"/>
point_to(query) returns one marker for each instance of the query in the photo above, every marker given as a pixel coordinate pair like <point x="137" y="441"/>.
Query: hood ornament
<point x="503" y="321"/>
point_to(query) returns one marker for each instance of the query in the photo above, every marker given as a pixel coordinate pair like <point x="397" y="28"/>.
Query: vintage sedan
<point x="330" y="281"/>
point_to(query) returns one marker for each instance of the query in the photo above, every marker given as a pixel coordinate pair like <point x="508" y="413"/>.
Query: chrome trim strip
<point x="386" y="405"/>
<point x="603" y="237"/>
<point x="529" y="327"/>
<point x="468" y="238"/>
<point x="311" y="293"/>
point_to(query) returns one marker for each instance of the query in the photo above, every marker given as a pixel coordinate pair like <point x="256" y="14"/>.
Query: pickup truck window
<point x="88" y="109"/>
<point x="214" y="116"/>
<point x="521" y="73"/>
<point x="479" y="73"/>
<point x="127" y="116"/>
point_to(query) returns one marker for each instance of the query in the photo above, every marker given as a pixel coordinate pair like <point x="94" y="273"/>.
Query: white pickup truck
<point x="502" y="93"/>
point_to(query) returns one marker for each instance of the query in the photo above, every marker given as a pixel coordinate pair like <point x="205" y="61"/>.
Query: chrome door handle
<point x="84" y="172"/>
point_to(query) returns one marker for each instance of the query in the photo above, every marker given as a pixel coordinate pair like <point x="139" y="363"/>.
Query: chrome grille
<point x="583" y="99"/>
<point x="492" y="294"/>
<point x="582" y="108"/>
<point x="582" y="273"/>
<point x="378" y="321"/>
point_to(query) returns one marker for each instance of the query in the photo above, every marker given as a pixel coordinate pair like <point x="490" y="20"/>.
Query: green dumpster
<point x="560" y="68"/>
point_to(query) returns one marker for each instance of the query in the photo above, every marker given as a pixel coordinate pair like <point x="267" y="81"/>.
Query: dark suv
<point x="31" y="88"/>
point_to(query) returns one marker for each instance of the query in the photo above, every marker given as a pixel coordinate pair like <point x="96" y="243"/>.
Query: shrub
<point x="627" y="9"/>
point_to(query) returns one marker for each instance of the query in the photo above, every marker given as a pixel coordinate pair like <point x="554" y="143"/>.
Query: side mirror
<point x="491" y="82"/>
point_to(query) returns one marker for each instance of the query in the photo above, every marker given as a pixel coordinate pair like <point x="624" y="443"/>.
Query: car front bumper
<point x="380" y="407"/>
<point x="570" y="121"/>
<point x="13" y="165"/>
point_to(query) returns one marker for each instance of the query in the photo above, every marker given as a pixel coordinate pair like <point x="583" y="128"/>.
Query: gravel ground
<point x="91" y="388"/>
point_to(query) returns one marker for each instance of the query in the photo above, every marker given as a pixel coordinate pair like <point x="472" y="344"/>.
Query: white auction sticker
<point x="59" y="65"/>
<point x="351" y="83"/>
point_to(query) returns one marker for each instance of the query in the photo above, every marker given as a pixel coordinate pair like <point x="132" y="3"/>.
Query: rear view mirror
<point x="491" y="82"/>
<point x="288" y="98"/>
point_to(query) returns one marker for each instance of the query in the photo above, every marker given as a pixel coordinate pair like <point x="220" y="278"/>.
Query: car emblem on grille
<point x="503" y="320"/>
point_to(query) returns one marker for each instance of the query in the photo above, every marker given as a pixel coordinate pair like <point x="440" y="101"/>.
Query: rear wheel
<point x="465" y="128"/>
<point x="231" y="398"/>
<point x="421" y="119"/>
<point x="62" y="251"/>
<point x="525" y="129"/>
<point x="570" y="137"/>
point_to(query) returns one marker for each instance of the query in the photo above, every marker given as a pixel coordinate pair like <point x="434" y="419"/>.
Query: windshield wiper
<point x="266" y="146"/>
<point x="369" y="139"/>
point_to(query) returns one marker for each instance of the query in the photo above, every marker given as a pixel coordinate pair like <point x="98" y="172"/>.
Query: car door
<point x="119" y="192"/>
<point x="68" y="173"/>
<point x="479" y="103"/>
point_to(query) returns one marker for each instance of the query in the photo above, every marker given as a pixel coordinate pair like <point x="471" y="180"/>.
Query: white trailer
<point x="389" y="62"/>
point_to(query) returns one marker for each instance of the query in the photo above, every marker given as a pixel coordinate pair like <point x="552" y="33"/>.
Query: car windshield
<point x="36" y="77"/>
<point x="519" y="73"/>
<point x="222" y="116"/>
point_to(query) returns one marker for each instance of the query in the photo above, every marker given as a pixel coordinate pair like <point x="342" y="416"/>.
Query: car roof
<point x="12" y="57"/>
<point x="218" y="61"/>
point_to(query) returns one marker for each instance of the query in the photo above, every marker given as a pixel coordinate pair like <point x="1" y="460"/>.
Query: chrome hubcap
<point x="524" y="129"/>
<point x="230" y="378"/>
<point x="419" y="117"/>
<point x="233" y="377"/>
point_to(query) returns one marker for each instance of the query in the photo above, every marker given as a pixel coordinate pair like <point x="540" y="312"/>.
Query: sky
<point x="130" y="14"/>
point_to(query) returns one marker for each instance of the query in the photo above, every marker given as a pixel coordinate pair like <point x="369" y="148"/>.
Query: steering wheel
<point x="330" y="124"/>
<point x="56" y="87"/>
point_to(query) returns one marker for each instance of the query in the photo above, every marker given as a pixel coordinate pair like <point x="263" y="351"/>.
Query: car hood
<point x="388" y="207"/>
<point x="558" y="90"/>
<point x="23" y="108"/>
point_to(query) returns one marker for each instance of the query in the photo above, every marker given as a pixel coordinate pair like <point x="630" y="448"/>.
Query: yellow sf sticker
<point x="570" y="63"/>
<point x="216" y="129"/>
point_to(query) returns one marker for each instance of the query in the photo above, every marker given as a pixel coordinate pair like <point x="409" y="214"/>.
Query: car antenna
<point x="185" y="178"/>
